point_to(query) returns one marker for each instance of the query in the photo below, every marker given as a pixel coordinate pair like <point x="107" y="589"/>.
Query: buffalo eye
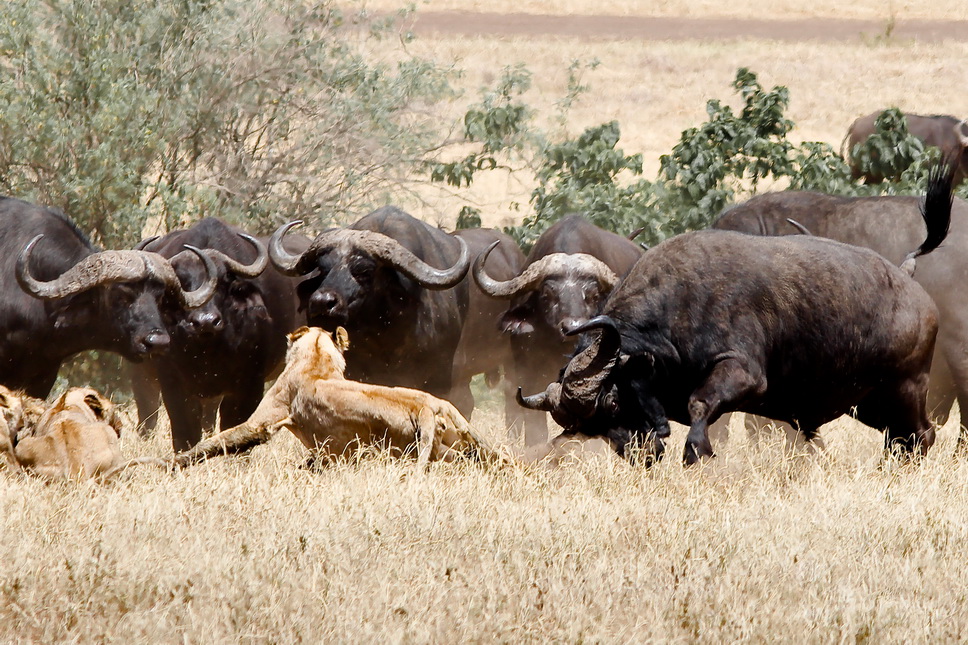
<point x="123" y="295"/>
<point x="610" y="403"/>
<point x="362" y="271"/>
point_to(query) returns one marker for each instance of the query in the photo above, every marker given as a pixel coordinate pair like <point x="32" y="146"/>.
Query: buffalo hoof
<point x="695" y="454"/>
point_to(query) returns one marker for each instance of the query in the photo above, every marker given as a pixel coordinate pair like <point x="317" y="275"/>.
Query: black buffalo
<point x="889" y="225"/>
<point x="395" y="284"/>
<point x="223" y="351"/>
<point x="800" y="329"/>
<point x="483" y="348"/>
<point x="571" y="269"/>
<point x="946" y="133"/>
<point x="62" y="296"/>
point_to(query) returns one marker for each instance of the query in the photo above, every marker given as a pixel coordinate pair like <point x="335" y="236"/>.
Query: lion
<point x="75" y="438"/>
<point x="334" y="417"/>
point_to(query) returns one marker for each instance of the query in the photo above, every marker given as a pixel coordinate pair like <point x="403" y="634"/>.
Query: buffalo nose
<point x="156" y="341"/>
<point x="207" y="322"/>
<point x="570" y="324"/>
<point x="325" y="301"/>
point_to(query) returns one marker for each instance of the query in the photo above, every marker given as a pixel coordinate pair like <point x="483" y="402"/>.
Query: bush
<point x="728" y="157"/>
<point x="254" y="111"/>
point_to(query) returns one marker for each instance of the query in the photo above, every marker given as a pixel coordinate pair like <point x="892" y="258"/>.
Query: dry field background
<point x="746" y="9"/>
<point x="757" y="545"/>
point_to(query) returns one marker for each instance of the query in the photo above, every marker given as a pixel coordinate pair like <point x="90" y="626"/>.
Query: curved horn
<point x="389" y="251"/>
<point x="107" y="267"/>
<point x="204" y="293"/>
<point x="544" y="401"/>
<point x="145" y="243"/>
<point x="960" y="131"/>
<point x="283" y="260"/>
<point x="800" y="227"/>
<point x="585" y="374"/>
<point x="245" y="270"/>
<point x="160" y="268"/>
<point x="395" y="254"/>
<point x="551" y="264"/>
<point x="92" y="270"/>
<point x="634" y="234"/>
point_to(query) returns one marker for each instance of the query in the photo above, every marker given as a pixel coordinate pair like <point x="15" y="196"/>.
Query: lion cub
<point x="334" y="417"/>
<point x="75" y="438"/>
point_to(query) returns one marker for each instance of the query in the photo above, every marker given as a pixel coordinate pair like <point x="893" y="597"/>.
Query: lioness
<point x="76" y="437"/>
<point x="334" y="417"/>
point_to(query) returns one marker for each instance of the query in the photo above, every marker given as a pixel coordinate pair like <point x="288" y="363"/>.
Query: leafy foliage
<point x="729" y="156"/>
<point x="119" y="111"/>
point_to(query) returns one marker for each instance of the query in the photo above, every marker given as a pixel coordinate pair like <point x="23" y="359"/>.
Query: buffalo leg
<point x="902" y="415"/>
<point x="147" y="396"/>
<point x="728" y="383"/>
<point x="238" y="406"/>
<point x="184" y="413"/>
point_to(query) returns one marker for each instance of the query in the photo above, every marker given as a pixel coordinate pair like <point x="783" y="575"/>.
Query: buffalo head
<point x="560" y="291"/>
<point x="118" y="291"/>
<point x="606" y="392"/>
<point x="236" y="298"/>
<point x="359" y="272"/>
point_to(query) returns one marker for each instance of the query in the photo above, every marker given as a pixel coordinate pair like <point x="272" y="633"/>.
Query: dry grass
<point x="755" y="546"/>
<point x="750" y="9"/>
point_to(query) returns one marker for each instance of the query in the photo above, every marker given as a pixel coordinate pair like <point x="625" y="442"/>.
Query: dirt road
<point x="640" y="28"/>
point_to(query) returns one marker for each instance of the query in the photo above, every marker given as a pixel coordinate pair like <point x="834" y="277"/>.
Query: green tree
<point x="118" y="111"/>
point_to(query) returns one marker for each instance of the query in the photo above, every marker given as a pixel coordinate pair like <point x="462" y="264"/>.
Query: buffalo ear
<point x="296" y="335"/>
<point x="516" y="321"/>
<point x="342" y="339"/>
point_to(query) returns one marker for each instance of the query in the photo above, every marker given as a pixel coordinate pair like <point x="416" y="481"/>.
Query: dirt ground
<point x="668" y="28"/>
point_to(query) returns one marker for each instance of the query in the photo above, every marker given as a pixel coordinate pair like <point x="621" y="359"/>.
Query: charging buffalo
<point x="799" y="329"/>
<point x="889" y="225"/>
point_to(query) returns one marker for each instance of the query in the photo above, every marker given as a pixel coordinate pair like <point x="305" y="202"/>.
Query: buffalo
<point x="395" y="283"/>
<point x="62" y="296"/>
<point x="889" y="225"/>
<point x="946" y="133"/>
<point x="800" y="329"/>
<point x="223" y="351"/>
<point x="571" y="269"/>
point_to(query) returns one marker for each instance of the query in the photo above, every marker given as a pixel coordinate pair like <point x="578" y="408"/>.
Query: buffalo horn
<point x="245" y="270"/>
<point x="960" y="131"/>
<point x="283" y="260"/>
<point x="585" y="374"/>
<point x="800" y="227"/>
<point x="106" y="267"/>
<point x="145" y="243"/>
<point x="374" y="244"/>
<point x="551" y="264"/>
<point x="543" y="401"/>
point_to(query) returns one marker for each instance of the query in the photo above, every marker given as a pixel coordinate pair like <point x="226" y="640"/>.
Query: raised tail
<point x="935" y="211"/>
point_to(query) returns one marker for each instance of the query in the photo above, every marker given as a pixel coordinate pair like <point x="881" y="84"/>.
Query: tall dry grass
<point x="757" y="545"/>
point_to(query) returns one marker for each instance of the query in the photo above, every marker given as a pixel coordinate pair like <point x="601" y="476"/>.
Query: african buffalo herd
<point x="798" y="307"/>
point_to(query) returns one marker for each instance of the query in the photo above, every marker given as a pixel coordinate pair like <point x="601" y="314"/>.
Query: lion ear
<point x="296" y="335"/>
<point x="342" y="339"/>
